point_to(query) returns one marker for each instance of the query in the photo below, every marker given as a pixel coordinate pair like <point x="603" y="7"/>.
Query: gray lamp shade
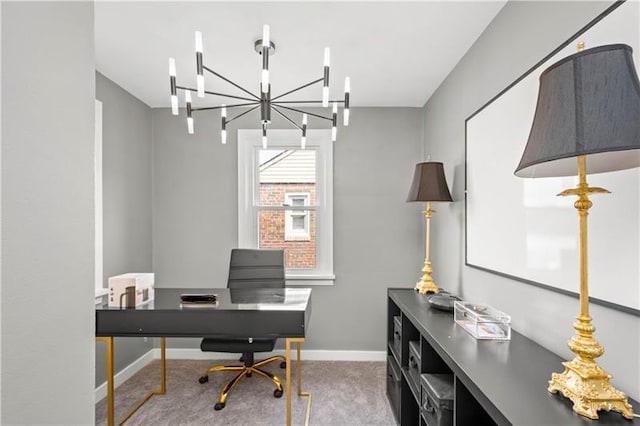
<point x="429" y="183"/>
<point x="588" y="104"/>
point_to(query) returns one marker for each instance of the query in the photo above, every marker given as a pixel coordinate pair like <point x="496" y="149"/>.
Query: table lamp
<point x="429" y="184"/>
<point x="587" y="117"/>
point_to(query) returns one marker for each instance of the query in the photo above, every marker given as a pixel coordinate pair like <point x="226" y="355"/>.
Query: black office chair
<point x="248" y="269"/>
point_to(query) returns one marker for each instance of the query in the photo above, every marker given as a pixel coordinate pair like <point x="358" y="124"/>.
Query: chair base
<point x="245" y="371"/>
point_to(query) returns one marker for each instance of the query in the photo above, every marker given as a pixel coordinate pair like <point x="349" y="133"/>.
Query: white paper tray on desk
<point x="482" y="321"/>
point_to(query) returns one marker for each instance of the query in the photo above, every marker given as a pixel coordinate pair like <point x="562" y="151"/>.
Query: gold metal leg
<point x="229" y="386"/>
<point x="163" y="366"/>
<point x="300" y="392"/>
<point x="110" y="387"/>
<point x="244" y="371"/>
<point x="275" y="379"/>
<point x="269" y="360"/>
<point x="298" y="341"/>
<point x="110" y="404"/>
<point x="223" y="368"/>
<point x="287" y="346"/>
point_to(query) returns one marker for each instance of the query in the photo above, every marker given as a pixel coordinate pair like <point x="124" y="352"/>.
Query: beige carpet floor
<point x="343" y="394"/>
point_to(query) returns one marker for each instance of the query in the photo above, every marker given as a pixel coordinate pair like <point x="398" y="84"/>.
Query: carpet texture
<point x="343" y="393"/>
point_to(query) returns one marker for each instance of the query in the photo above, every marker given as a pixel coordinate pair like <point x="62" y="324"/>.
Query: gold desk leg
<point x="287" y="345"/>
<point x="110" y="390"/>
<point x="110" y="404"/>
<point x="300" y="392"/>
<point x="298" y="341"/>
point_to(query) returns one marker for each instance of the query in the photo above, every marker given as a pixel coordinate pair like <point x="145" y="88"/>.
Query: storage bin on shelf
<point x="437" y="399"/>
<point x="397" y="337"/>
<point x="393" y="384"/>
<point x="414" y="362"/>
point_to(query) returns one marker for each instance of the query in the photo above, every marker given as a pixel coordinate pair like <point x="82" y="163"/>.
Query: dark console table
<point x="495" y="383"/>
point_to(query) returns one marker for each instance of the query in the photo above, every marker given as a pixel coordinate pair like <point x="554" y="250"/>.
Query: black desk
<point x="282" y="313"/>
<point x="503" y="383"/>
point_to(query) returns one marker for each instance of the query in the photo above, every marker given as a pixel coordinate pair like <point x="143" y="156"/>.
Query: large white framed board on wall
<point x="518" y="227"/>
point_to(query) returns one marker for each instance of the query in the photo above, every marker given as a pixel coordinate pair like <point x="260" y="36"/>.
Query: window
<point x="296" y="222"/>
<point x="97" y="167"/>
<point x="285" y="200"/>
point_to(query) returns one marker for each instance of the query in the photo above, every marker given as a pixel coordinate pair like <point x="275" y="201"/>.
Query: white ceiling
<point x="396" y="53"/>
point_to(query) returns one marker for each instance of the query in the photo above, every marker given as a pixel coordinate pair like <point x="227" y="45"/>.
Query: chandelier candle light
<point x="587" y="115"/>
<point x="264" y="101"/>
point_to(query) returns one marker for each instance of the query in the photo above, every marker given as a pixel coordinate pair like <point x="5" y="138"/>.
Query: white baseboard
<point x="197" y="354"/>
<point x="126" y="373"/>
<point x="310" y="355"/>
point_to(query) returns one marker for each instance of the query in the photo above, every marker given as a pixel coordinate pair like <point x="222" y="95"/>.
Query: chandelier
<point x="262" y="101"/>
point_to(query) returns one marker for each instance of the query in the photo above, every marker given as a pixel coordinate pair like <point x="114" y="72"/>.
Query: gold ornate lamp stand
<point x="426" y="284"/>
<point x="583" y="381"/>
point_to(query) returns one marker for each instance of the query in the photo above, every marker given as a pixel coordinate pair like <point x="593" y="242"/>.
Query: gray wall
<point x="377" y="236"/>
<point x="48" y="91"/>
<point x="521" y="35"/>
<point x="126" y="183"/>
<point x="126" y="178"/>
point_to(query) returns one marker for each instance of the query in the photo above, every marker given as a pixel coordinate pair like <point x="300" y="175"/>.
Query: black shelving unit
<point x="495" y="383"/>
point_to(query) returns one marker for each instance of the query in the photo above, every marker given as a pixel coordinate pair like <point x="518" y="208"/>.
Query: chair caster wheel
<point x="283" y="364"/>
<point x="277" y="393"/>
<point x="219" y="406"/>
<point x="203" y="379"/>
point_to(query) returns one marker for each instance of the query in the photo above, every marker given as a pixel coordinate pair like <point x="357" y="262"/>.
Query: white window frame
<point x="291" y="234"/>
<point x="249" y="144"/>
<point x="100" y="289"/>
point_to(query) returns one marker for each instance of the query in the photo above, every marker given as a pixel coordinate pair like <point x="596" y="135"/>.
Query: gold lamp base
<point x="426" y="284"/>
<point x="583" y="381"/>
<point x="587" y="385"/>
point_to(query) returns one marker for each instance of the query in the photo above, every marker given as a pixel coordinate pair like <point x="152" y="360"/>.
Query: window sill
<point x="100" y="293"/>
<point x="310" y="280"/>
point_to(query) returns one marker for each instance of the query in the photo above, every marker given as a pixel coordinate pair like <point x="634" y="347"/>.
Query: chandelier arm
<point x="225" y="106"/>
<point x="287" y="118"/>
<point x="309" y="102"/>
<point x="230" y="96"/>
<point x="230" y="82"/>
<point x="215" y="93"/>
<point x="298" y="88"/>
<point x="242" y="113"/>
<point x="303" y="112"/>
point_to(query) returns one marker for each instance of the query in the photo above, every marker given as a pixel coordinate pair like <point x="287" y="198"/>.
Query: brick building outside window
<point x="287" y="178"/>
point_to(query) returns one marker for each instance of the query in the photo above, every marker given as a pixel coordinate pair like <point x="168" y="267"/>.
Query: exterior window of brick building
<point x="287" y="178"/>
